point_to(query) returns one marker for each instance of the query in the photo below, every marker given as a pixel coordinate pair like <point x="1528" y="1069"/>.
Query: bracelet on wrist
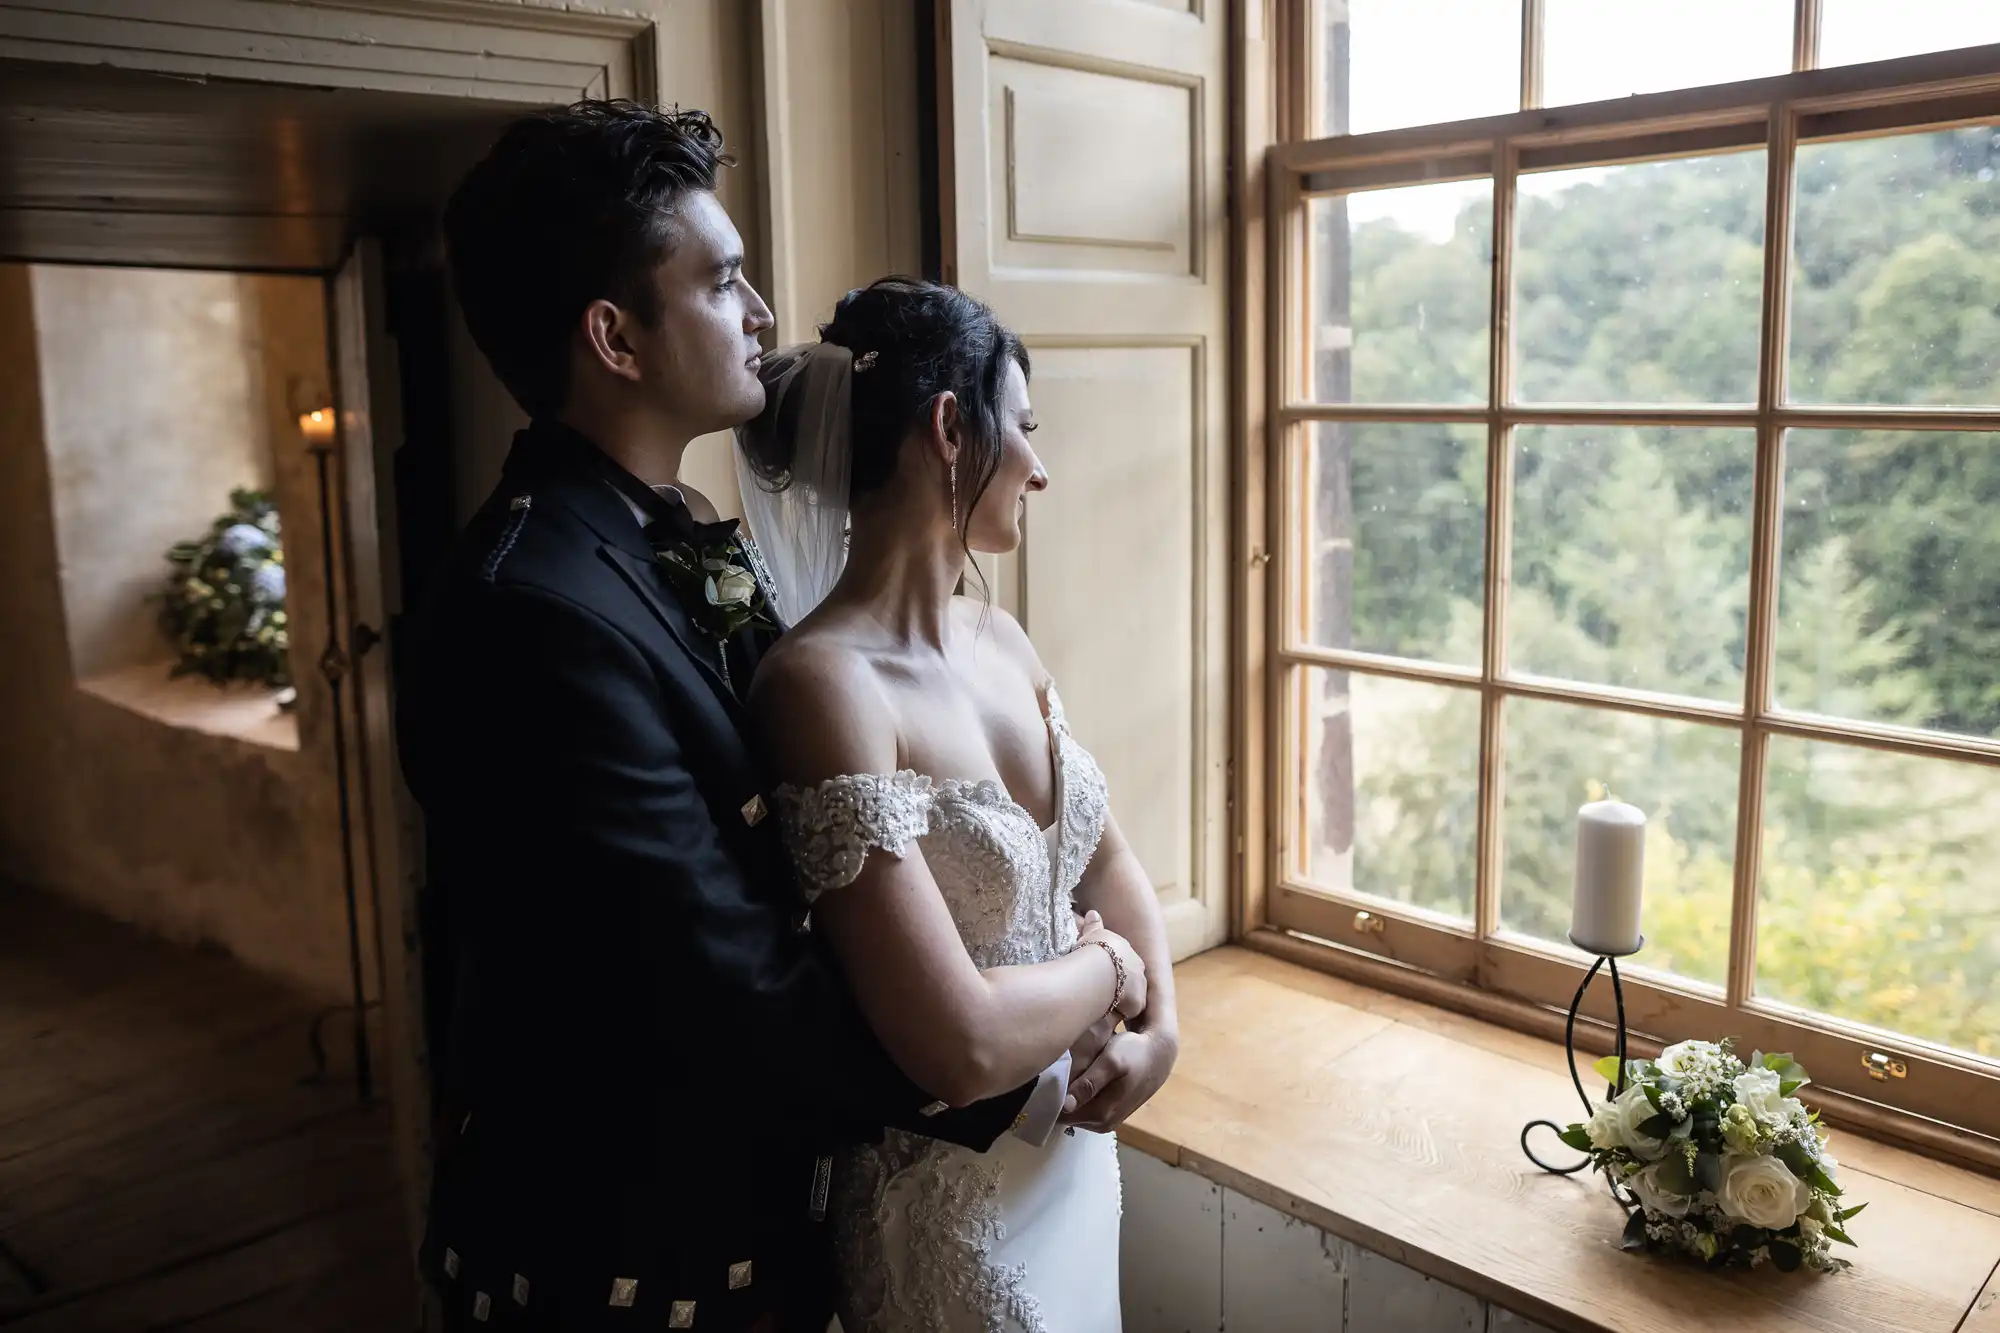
<point x="1117" y="974"/>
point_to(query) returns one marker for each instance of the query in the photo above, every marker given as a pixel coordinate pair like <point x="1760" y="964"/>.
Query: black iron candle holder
<point x="1605" y="962"/>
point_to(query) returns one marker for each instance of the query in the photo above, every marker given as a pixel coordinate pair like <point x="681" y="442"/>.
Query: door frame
<point x="526" y="54"/>
<point x="449" y="48"/>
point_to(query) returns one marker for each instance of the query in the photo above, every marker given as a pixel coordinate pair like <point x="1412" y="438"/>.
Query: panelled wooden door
<point x="1085" y="197"/>
<point x="386" y="833"/>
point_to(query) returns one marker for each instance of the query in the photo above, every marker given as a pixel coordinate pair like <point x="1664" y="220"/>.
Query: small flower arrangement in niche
<point x="224" y="603"/>
<point x="1723" y="1161"/>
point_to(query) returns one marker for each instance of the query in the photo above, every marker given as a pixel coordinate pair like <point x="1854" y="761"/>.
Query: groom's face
<point x="700" y="357"/>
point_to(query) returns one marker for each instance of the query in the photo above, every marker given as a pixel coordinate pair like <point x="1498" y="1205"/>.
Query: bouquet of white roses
<point x="1725" y="1163"/>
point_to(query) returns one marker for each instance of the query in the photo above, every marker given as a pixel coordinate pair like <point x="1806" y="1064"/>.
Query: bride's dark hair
<point x="913" y="340"/>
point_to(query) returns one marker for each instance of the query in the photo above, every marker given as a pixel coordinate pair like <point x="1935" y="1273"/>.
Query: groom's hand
<point x="1124" y="1076"/>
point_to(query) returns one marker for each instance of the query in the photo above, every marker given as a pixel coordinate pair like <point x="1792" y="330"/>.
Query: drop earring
<point x="954" y="495"/>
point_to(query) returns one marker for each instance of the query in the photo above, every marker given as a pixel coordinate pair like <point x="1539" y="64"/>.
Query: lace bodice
<point x="932" y="1238"/>
<point x="1008" y="884"/>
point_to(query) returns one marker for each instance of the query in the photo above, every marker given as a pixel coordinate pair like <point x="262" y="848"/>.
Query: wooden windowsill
<point x="1397" y="1126"/>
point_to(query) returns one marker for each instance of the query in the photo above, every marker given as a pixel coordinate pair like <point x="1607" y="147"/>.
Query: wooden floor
<point x="163" y="1163"/>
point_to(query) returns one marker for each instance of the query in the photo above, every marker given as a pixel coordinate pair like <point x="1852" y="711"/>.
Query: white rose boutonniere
<point x="718" y="586"/>
<point x="729" y="585"/>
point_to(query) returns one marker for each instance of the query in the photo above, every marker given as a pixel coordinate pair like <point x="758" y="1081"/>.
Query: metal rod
<point x="1617" y="1088"/>
<point x="333" y="666"/>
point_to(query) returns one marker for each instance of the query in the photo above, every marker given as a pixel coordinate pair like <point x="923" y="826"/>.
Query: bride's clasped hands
<point x="1116" y="1068"/>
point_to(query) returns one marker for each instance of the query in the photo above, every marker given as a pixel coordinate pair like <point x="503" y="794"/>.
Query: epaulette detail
<point x="517" y="515"/>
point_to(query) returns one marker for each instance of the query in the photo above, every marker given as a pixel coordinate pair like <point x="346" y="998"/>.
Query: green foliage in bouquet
<point x="1726" y="1163"/>
<point x="224" y="604"/>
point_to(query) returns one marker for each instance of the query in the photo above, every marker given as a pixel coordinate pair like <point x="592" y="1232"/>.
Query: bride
<point x="945" y="824"/>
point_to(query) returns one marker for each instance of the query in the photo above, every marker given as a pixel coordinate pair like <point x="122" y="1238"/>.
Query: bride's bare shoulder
<point x="819" y="709"/>
<point x="814" y="661"/>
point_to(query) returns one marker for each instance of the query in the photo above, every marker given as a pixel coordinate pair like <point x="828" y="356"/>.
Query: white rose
<point x="1656" y="1200"/>
<point x="1679" y="1057"/>
<point x="1603" y="1127"/>
<point x="1762" y="1191"/>
<point x="1632" y="1111"/>
<point x="1758" y="1089"/>
<point x="732" y="587"/>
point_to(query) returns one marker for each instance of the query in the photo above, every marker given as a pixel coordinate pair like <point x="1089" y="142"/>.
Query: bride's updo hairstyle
<point x="911" y="341"/>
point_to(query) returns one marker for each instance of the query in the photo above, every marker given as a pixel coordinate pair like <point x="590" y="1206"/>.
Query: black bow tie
<point x="670" y="524"/>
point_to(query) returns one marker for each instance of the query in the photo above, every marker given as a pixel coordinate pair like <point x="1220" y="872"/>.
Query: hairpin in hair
<point x="866" y="361"/>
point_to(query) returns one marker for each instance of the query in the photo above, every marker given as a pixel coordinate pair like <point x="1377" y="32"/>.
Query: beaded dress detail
<point x="931" y="1236"/>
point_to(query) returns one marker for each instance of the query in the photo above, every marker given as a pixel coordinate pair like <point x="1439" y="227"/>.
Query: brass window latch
<point x="1882" y="1067"/>
<point x="1369" y="924"/>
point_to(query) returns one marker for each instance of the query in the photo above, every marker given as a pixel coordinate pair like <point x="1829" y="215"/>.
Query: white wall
<point x="1199" y="1258"/>
<point x="153" y="411"/>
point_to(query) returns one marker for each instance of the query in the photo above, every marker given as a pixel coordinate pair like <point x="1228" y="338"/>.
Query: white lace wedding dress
<point x="928" y="1236"/>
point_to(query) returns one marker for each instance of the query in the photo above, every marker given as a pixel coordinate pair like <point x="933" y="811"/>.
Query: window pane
<point x="1402" y="294"/>
<point x="1399" y="539"/>
<point x="1889" y="599"/>
<point x="1392" y="788"/>
<point x="1631" y="557"/>
<point x="1598" y="49"/>
<point x="1391" y="63"/>
<point x="1683" y="775"/>
<point x="1877" y="901"/>
<point x="1641" y="283"/>
<point x="1854" y="31"/>
<point x="1896" y="275"/>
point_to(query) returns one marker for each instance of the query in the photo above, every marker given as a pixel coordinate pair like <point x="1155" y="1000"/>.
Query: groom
<point x="645" y="1062"/>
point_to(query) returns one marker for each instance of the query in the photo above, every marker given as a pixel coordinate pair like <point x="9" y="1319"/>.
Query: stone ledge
<point x="1396" y="1126"/>
<point x="245" y="713"/>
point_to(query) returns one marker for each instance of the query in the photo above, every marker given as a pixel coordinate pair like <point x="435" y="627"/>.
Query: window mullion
<point x="1298" y="69"/>
<point x="1291" y="312"/>
<point x="1805" y="35"/>
<point x="1767" y="514"/>
<point x="1499" y="506"/>
<point x="1532" y="46"/>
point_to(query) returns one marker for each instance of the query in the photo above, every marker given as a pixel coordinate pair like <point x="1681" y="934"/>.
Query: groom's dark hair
<point x="569" y="206"/>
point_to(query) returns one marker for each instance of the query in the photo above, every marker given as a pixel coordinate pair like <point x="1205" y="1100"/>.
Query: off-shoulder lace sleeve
<point x="830" y="828"/>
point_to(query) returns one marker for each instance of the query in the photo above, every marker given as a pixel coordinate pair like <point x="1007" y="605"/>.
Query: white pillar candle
<point x="1610" y="869"/>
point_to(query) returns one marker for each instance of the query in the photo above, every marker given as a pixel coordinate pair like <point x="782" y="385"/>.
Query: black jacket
<point x="646" y="1055"/>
